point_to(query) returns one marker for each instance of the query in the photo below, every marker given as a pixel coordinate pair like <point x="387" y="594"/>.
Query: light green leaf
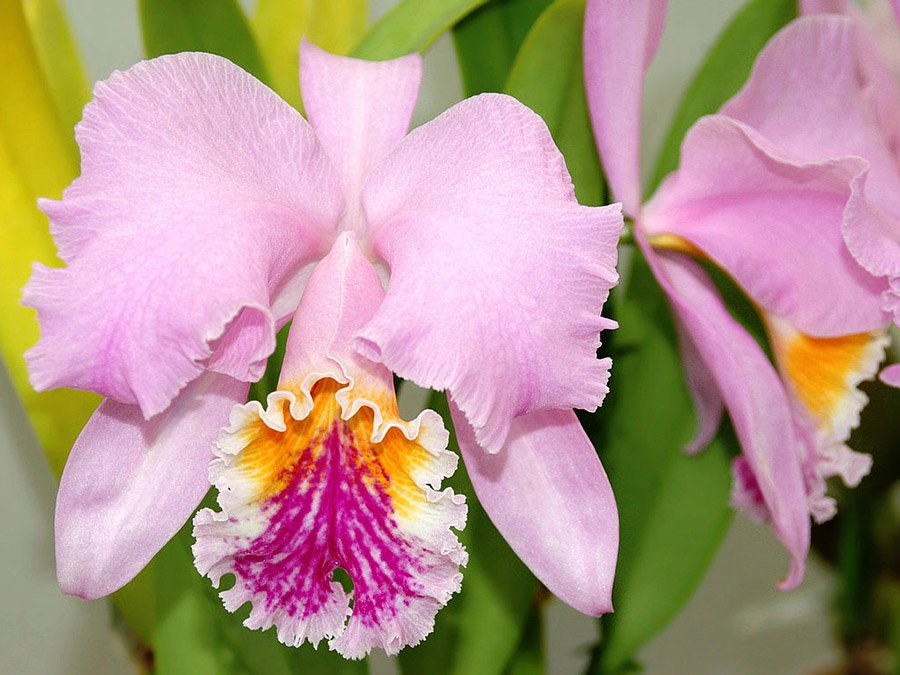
<point x="488" y="39"/>
<point x="214" y="26"/>
<point x="723" y="72"/>
<point x="412" y="26"/>
<point x="38" y="158"/>
<point x="333" y="25"/>
<point x="480" y="628"/>
<point x="59" y="58"/>
<point x="547" y="76"/>
<point x="673" y="508"/>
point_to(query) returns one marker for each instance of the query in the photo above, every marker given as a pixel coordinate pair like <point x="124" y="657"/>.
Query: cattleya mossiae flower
<point x="792" y="189"/>
<point x="207" y="215"/>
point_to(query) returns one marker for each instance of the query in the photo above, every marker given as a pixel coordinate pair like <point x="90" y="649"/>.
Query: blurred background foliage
<point x="674" y="509"/>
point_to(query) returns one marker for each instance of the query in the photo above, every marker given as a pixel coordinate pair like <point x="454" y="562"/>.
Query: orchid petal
<point x="202" y="195"/>
<point x="498" y="275"/>
<point x="757" y="214"/>
<point x="704" y="393"/>
<point x="620" y="40"/>
<point x="549" y="497"/>
<point x="130" y="484"/>
<point x="753" y="394"/>
<point x="891" y="375"/>
<point x="328" y="475"/>
<point x="806" y="95"/>
<point x="359" y="109"/>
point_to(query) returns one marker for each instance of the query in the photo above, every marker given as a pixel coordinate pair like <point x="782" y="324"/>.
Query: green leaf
<point x="59" y="58"/>
<point x="412" y="26"/>
<point x="480" y="628"/>
<point x="214" y="26"/>
<point x="195" y="634"/>
<point x="723" y="72"/>
<point x="488" y="39"/>
<point x="334" y="25"/>
<point x="529" y="657"/>
<point x="673" y="508"/>
<point x="547" y="76"/>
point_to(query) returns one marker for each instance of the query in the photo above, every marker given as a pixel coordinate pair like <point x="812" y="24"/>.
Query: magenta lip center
<point x="333" y="514"/>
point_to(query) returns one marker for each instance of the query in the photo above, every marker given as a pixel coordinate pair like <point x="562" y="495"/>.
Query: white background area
<point x="736" y="624"/>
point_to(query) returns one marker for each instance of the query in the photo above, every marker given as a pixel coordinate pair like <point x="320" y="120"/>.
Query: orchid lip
<point x="329" y="478"/>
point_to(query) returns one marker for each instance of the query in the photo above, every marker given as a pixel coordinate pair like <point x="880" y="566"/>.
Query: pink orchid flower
<point x="791" y="191"/>
<point x="207" y="215"/>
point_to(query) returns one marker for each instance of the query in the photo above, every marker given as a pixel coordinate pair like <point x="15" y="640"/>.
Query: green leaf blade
<point x="412" y="26"/>
<point x="488" y="39"/>
<point x="214" y="26"/>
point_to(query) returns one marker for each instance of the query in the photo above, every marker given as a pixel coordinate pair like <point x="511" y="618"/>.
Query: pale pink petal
<point x="704" y="393"/>
<point x="773" y="224"/>
<point x="620" y="40"/>
<point x="360" y="110"/>
<point x="202" y="195"/>
<point x="549" y="497"/>
<point x="891" y="375"/>
<point x="327" y="476"/>
<point x="825" y="6"/>
<point x="498" y="275"/>
<point x="806" y="95"/>
<point x="130" y="484"/>
<point x="753" y="395"/>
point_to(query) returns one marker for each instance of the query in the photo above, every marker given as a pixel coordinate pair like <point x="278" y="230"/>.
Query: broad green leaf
<point x="479" y="629"/>
<point x="673" y="508"/>
<point x="547" y="76"/>
<point x="723" y="72"/>
<point x="488" y="39"/>
<point x="214" y="26"/>
<point x="195" y="634"/>
<point x="412" y="26"/>
<point x="59" y="58"/>
<point x="37" y="158"/>
<point x="334" y="25"/>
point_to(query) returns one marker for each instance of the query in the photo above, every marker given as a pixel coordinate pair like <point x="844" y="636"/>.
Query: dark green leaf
<point x="547" y="76"/>
<point x="488" y="40"/>
<point x="673" y="509"/>
<point x="723" y="72"/>
<point x="214" y="26"/>
<point x="480" y="628"/>
<point x="529" y="657"/>
<point x="411" y="26"/>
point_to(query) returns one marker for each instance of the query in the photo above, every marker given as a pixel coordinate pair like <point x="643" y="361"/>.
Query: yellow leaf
<point x="37" y="158"/>
<point x="59" y="58"/>
<point x="335" y="25"/>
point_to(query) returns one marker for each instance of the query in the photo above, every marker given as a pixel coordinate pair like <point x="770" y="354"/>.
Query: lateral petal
<point x="130" y="484"/>
<point x="816" y="92"/>
<point x="775" y="225"/>
<point x="754" y="397"/>
<point x="498" y="275"/>
<point x="549" y="497"/>
<point x="202" y="195"/>
<point x="620" y="41"/>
